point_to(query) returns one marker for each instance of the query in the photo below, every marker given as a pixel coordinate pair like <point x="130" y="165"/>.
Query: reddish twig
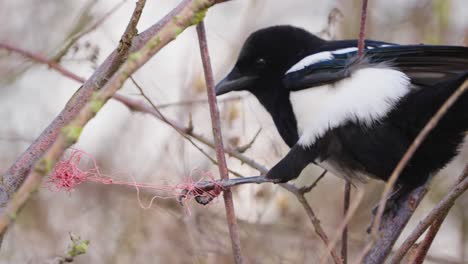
<point x="362" y="29"/>
<point x="424" y="246"/>
<point x="344" y="237"/>
<point x="347" y="189"/>
<point x="219" y="148"/>
<point x="39" y="58"/>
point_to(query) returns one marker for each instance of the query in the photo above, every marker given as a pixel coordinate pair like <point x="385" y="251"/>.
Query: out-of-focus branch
<point x="344" y="237"/>
<point x="198" y="101"/>
<point x="74" y="38"/>
<point x="300" y="195"/>
<point x="88" y="104"/>
<point x="439" y="212"/>
<point x="362" y="28"/>
<point x="42" y="59"/>
<point x="218" y="139"/>
<point x="385" y="248"/>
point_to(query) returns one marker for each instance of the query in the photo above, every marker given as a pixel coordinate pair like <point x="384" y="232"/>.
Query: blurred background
<point x="273" y="226"/>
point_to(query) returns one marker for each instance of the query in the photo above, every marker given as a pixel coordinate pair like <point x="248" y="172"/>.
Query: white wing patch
<point x="346" y="50"/>
<point x="319" y="57"/>
<point x="367" y="96"/>
<point x="311" y="59"/>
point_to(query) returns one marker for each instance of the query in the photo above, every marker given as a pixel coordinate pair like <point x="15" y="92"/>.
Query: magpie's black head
<point x="266" y="55"/>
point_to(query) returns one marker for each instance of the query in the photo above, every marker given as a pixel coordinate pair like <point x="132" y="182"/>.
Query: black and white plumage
<point x="354" y="116"/>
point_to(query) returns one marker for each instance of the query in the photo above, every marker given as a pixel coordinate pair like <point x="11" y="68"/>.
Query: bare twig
<point x="405" y="159"/>
<point x="313" y="218"/>
<point x="245" y="147"/>
<point x="41" y="59"/>
<point x="197" y="101"/>
<point x="85" y="109"/>
<point x="347" y="189"/>
<point x="347" y="218"/>
<point x="424" y="246"/>
<point x="437" y="212"/>
<point x="73" y="39"/>
<point x="344" y="237"/>
<point x="219" y="148"/>
<point x="362" y="29"/>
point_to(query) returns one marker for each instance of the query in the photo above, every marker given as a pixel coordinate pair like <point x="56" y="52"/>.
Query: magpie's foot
<point x="391" y="206"/>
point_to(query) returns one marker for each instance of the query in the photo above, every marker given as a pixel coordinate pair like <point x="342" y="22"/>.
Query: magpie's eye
<point x="260" y="63"/>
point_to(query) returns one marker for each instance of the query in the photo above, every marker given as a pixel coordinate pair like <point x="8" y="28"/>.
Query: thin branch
<point x="187" y="12"/>
<point x="437" y="212"/>
<point x="407" y="156"/>
<point x="347" y="218"/>
<point x="362" y="28"/>
<point x="313" y="218"/>
<point x="73" y="39"/>
<point x="344" y="236"/>
<point x="245" y="147"/>
<point x="219" y="148"/>
<point x="198" y="101"/>
<point x="347" y="189"/>
<point x="424" y="246"/>
<point x="41" y="59"/>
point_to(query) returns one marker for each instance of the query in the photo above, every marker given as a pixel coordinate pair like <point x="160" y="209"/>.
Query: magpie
<point x="354" y="115"/>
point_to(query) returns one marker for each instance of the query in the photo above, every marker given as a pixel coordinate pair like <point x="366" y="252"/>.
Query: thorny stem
<point x="219" y="148"/>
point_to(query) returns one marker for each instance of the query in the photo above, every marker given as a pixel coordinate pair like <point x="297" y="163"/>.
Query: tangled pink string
<point x="67" y="176"/>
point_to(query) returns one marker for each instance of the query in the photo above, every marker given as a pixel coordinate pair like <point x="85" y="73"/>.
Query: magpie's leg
<point x="292" y="164"/>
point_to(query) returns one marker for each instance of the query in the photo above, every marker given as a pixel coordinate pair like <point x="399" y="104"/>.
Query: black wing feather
<point x="424" y="64"/>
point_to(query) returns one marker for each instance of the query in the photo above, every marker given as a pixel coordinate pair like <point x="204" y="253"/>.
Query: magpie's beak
<point x="234" y="81"/>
